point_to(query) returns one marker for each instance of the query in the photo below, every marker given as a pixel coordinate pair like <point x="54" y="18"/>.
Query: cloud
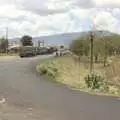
<point x="46" y="7"/>
<point x="4" y="2"/>
<point x="106" y="21"/>
<point x="107" y="3"/>
<point x="46" y="17"/>
<point x="75" y="20"/>
<point x="49" y="7"/>
<point x="84" y="3"/>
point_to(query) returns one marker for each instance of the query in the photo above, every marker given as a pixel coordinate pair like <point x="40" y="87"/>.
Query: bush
<point x="49" y="68"/>
<point x="51" y="73"/>
<point x="43" y="69"/>
<point x="94" y="81"/>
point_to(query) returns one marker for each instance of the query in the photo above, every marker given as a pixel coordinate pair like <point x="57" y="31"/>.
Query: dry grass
<point x="9" y="54"/>
<point x="113" y="72"/>
<point x="72" y="73"/>
<point x="7" y="57"/>
<point x="4" y="56"/>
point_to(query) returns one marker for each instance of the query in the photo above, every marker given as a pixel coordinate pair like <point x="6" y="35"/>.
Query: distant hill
<point x="63" y="39"/>
<point x="58" y="39"/>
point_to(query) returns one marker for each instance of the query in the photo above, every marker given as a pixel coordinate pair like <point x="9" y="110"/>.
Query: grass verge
<point x="4" y="56"/>
<point x="64" y="70"/>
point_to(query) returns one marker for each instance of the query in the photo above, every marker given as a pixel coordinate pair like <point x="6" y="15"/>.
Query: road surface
<point x="24" y="88"/>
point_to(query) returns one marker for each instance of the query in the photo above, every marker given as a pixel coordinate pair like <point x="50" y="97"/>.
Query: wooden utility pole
<point x="6" y="37"/>
<point x="42" y="43"/>
<point x="91" y="51"/>
<point x="92" y="35"/>
<point x="106" y="52"/>
<point x="39" y="44"/>
<point x="6" y="33"/>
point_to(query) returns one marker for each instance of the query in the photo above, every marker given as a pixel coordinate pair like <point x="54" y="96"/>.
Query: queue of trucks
<point x="33" y="51"/>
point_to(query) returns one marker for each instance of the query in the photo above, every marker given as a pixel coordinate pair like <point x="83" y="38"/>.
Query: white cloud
<point x="107" y="3"/>
<point x="106" y="21"/>
<point x="10" y="11"/>
<point x="45" y="17"/>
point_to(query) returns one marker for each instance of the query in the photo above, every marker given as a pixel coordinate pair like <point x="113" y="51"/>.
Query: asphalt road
<point x="24" y="88"/>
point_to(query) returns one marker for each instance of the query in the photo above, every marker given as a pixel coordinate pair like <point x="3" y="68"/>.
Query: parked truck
<point x="27" y="51"/>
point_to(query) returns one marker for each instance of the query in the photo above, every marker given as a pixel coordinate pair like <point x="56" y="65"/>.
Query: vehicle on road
<point x="42" y="51"/>
<point x="26" y="51"/>
<point x="45" y="50"/>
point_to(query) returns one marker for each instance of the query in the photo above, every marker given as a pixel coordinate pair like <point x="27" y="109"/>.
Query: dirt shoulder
<point x="9" y="57"/>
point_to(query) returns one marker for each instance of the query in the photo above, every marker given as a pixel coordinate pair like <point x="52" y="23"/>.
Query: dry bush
<point x="112" y="72"/>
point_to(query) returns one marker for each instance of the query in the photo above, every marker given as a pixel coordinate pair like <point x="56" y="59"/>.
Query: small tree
<point x="80" y="46"/>
<point x="3" y="45"/>
<point x="26" y="40"/>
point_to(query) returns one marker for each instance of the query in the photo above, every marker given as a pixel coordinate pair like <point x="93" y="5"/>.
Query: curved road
<point x="23" y="87"/>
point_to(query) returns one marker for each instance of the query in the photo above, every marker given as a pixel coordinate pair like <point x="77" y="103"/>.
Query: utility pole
<point x="6" y="33"/>
<point x="92" y="35"/>
<point x="38" y="43"/>
<point x="91" y="51"/>
<point x="105" y="50"/>
<point x="42" y="43"/>
<point x="6" y="37"/>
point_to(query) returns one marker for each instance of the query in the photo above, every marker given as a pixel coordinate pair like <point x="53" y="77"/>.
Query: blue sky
<point x="47" y="17"/>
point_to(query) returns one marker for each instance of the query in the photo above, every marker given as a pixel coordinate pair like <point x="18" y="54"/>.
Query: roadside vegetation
<point x="4" y="53"/>
<point x="75" y="70"/>
<point x="10" y="51"/>
<point x="76" y="75"/>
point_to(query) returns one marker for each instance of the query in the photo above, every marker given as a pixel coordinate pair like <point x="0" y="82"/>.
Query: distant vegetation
<point x="3" y="45"/>
<point x="5" y="49"/>
<point x="104" y="46"/>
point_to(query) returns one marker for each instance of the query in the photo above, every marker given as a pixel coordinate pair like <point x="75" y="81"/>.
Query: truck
<point x="27" y="51"/>
<point x="46" y="50"/>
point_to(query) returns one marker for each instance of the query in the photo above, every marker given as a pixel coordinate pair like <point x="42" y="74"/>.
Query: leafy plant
<point x="94" y="81"/>
<point x="43" y="69"/>
<point x="3" y="45"/>
<point x="49" y="68"/>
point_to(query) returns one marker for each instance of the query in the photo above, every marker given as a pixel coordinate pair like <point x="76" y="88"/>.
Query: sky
<point x="48" y="17"/>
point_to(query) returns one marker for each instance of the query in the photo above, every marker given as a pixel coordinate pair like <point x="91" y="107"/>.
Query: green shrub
<point x="43" y="69"/>
<point x="49" y="68"/>
<point x="94" y="81"/>
<point x="51" y="73"/>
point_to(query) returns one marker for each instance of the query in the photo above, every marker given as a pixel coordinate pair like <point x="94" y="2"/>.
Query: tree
<point x="80" y="46"/>
<point x="104" y="46"/>
<point x="26" y="40"/>
<point x="3" y="45"/>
